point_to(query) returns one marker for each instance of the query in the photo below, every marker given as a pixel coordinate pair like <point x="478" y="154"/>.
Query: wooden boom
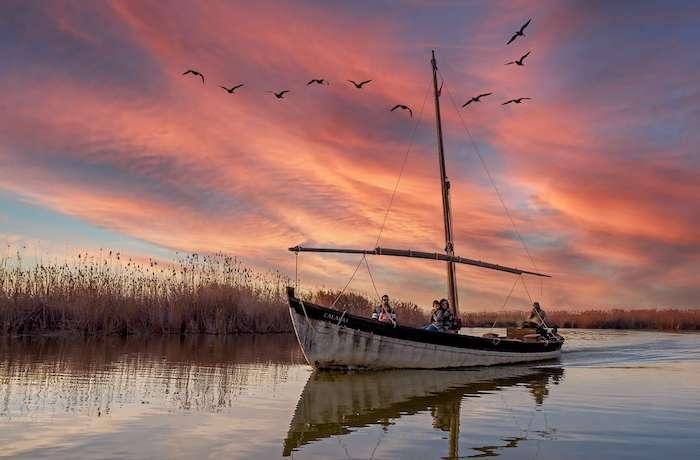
<point x="420" y="255"/>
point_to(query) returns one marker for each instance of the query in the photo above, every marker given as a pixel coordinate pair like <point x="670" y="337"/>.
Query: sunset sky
<point x="104" y="143"/>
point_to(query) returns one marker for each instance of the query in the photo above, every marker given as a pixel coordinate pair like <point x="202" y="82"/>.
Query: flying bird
<point x="476" y="99"/>
<point x="279" y="95"/>
<point x="359" y="85"/>
<point x="401" y="106"/>
<point x="521" y="60"/>
<point x="519" y="33"/>
<point x="231" y="89"/>
<point x="195" y="73"/>
<point x="318" y="81"/>
<point x="518" y="100"/>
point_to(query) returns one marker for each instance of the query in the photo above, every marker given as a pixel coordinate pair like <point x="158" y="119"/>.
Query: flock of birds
<point x="521" y="62"/>
<point x="360" y="85"/>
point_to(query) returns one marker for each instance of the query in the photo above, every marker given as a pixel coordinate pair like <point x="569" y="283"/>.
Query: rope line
<point x="348" y="283"/>
<point x="296" y="271"/>
<point x="308" y="321"/>
<point x="342" y="444"/>
<point x="379" y="441"/>
<point x="403" y="166"/>
<point x="505" y="303"/>
<point x="522" y="278"/>
<point x="341" y="317"/>
<point x="488" y="173"/>
<point x="391" y="201"/>
<point x="372" y="279"/>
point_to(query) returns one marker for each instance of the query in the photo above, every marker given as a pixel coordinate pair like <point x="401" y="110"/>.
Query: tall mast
<point x="447" y="210"/>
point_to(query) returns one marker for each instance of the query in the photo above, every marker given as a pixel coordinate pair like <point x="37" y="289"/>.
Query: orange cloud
<point x="157" y="156"/>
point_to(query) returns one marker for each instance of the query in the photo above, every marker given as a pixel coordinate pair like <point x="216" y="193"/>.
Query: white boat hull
<point x="328" y="345"/>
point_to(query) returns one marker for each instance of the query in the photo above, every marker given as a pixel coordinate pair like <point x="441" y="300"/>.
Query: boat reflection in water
<point x="334" y="403"/>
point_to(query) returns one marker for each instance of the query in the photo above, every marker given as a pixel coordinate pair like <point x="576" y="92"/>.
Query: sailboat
<point x="332" y="338"/>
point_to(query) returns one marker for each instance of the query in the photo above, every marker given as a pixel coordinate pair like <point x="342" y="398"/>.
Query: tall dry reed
<point x="104" y="294"/>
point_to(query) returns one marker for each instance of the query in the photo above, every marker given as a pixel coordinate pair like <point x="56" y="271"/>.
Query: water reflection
<point x="92" y="375"/>
<point x="335" y="403"/>
<point x="234" y="397"/>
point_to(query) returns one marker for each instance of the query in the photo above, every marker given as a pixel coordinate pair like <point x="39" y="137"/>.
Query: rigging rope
<point x="522" y="278"/>
<point x="348" y="283"/>
<point x="391" y="202"/>
<point x="488" y="173"/>
<point x="403" y="166"/>
<point x="372" y="279"/>
<point x="342" y="444"/>
<point x="379" y="441"/>
<point x="396" y="186"/>
<point x="505" y="303"/>
<point x="296" y="271"/>
<point x="308" y="321"/>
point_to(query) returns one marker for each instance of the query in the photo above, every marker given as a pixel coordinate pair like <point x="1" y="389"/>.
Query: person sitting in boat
<point x="433" y="317"/>
<point x="536" y="318"/>
<point x="384" y="312"/>
<point x="441" y="319"/>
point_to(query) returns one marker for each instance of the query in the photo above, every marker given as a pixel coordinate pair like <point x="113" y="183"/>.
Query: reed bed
<point x="648" y="319"/>
<point x="106" y="294"/>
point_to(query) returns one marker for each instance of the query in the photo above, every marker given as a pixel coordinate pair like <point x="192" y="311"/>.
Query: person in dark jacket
<point x="433" y="316"/>
<point x="441" y="319"/>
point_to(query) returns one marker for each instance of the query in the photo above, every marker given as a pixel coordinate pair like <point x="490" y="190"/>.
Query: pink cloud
<point x="192" y="168"/>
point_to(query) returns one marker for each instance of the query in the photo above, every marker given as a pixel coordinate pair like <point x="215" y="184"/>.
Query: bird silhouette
<point x="318" y="81"/>
<point x="359" y="85"/>
<point x="521" y="60"/>
<point x="519" y="33"/>
<point x="518" y="100"/>
<point x="231" y="89"/>
<point x="195" y="73"/>
<point x="476" y="99"/>
<point x="279" y="95"/>
<point x="401" y="106"/>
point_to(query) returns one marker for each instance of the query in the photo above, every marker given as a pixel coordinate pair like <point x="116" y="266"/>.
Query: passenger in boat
<point x="536" y="318"/>
<point x="384" y="312"/>
<point x="441" y="319"/>
<point x="433" y="317"/>
<point x="448" y="319"/>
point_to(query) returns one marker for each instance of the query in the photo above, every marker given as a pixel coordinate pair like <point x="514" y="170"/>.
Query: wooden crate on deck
<point x="519" y="332"/>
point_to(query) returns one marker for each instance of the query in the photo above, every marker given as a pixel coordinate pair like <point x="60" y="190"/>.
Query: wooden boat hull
<point x="331" y="339"/>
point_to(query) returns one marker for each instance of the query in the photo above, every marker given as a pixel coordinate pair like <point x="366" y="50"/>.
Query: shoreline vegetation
<point x="107" y="294"/>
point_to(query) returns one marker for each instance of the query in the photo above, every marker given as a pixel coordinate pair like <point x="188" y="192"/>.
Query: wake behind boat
<point x="337" y="339"/>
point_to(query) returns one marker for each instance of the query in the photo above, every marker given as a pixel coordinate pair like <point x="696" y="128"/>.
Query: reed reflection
<point x="333" y="403"/>
<point x="190" y="373"/>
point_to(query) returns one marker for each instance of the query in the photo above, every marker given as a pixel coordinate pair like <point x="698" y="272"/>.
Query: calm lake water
<point x="612" y="395"/>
